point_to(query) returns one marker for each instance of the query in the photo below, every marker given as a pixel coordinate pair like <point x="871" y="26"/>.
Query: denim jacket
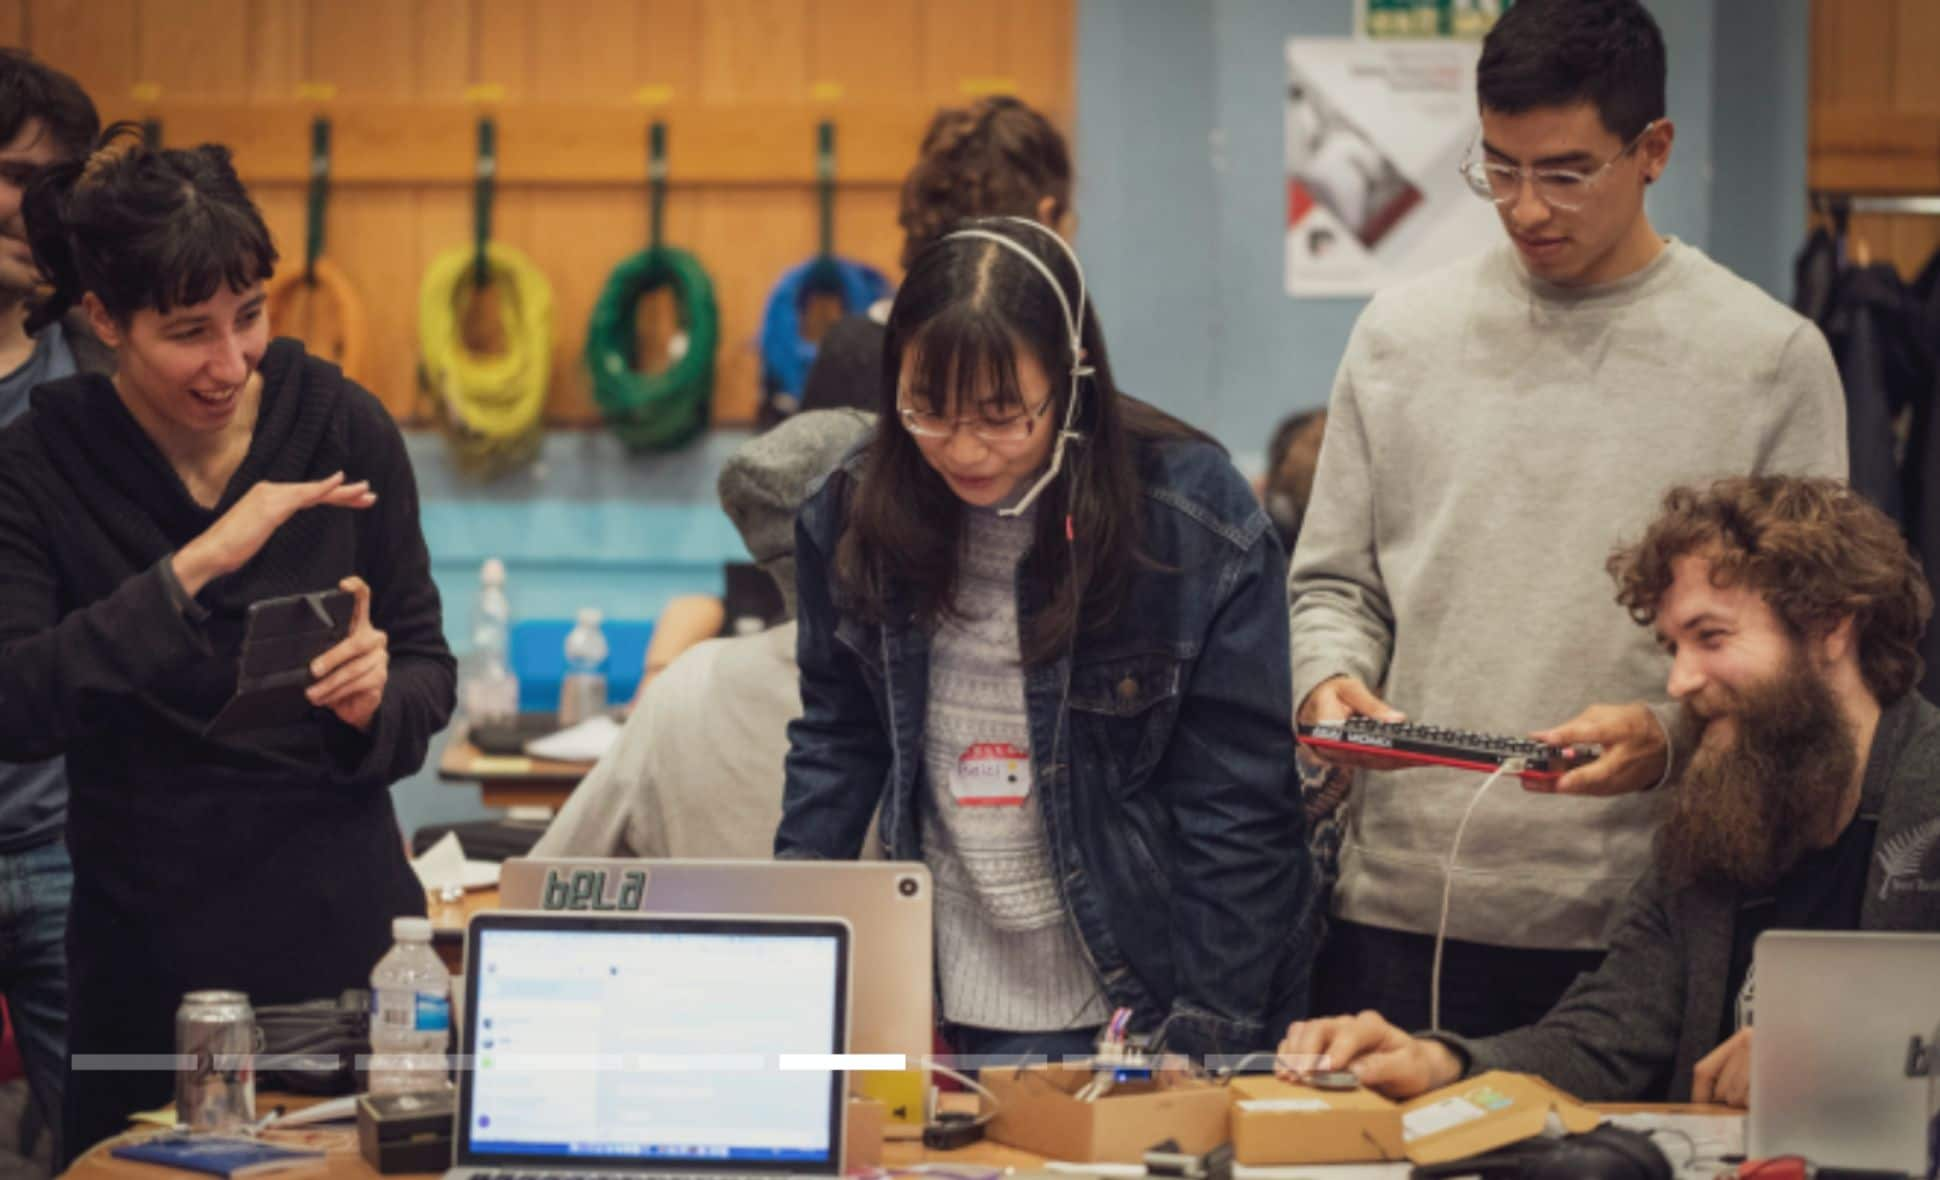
<point x="1173" y="811"/>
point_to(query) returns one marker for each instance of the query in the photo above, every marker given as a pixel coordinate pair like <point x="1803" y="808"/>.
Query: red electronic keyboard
<point x="1432" y="745"/>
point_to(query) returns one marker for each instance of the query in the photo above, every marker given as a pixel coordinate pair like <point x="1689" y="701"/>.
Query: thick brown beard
<point x="1744" y="814"/>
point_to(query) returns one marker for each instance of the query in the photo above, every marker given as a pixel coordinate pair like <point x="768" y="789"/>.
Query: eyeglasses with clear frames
<point x="1568" y="189"/>
<point x="1008" y="430"/>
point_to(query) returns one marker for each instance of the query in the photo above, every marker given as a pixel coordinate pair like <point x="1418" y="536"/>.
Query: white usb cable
<point x="1510" y="766"/>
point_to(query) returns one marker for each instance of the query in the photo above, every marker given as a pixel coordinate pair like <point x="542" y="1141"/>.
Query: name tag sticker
<point x="992" y="774"/>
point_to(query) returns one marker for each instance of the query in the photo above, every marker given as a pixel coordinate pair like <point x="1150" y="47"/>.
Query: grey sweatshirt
<point x="1491" y="438"/>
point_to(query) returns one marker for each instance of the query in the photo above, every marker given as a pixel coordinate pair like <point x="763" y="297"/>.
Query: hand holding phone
<point x="281" y="637"/>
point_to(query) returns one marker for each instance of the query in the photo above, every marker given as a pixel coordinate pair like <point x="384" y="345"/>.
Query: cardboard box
<point x="1037" y="1112"/>
<point x="862" y="1134"/>
<point x="1277" y="1122"/>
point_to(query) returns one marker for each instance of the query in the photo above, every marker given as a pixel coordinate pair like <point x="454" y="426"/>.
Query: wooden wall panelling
<point x="94" y="40"/>
<point x="501" y="46"/>
<point x="741" y="84"/>
<point x="669" y="35"/>
<point x="1852" y="52"/>
<point x="747" y="237"/>
<point x="13" y="22"/>
<point x="588" y="53"/>
<point x="580" y="235"/>
<point x="442" y="48"/>
<point x="278" y="47"/>
<point x="1041" y="46"/>
<point x="444" y="217"/>
<point x="1916" y="56"/>
<point x="371" y="235"/>
<point x="194" y="48"/>
<point x="846" y="40"/>
<point x="753" y="50"/>
<point x="963" y="40"/>
<point x="362" y="48"/>
<point x="1875" y="120"/>
<point x="424" y="143"/>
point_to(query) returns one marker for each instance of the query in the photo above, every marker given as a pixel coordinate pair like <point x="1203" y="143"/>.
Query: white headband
<point x="1074" y="326"/>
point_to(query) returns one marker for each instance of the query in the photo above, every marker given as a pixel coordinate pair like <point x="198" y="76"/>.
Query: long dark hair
<point x="143" y="228"/>
<point x="965" y="306"/>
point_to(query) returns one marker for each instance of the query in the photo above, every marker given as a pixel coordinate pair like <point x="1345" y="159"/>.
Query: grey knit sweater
<point x="1008" y="956"/>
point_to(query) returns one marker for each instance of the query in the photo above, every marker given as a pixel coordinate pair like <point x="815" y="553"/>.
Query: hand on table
<point x="1382" y="1056"/>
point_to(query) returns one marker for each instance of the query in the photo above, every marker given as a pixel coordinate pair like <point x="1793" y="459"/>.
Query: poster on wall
<point x="1376" y="132"/>
<point x="1466" y="19"/>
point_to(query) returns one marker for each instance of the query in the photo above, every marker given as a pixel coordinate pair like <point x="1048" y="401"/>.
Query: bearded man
<point x="1792" y="613"/>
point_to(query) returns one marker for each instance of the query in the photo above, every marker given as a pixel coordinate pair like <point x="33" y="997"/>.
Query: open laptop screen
<point x="656" y="1042"/>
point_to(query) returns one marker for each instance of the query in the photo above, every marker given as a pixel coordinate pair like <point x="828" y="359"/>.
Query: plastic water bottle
<point x="582" y="693"/>
<point x="410" y="1022"/>
<point x="491" y="690"/>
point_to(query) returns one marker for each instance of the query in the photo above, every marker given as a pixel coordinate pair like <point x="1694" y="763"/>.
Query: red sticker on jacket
<point x="992" y="774"/>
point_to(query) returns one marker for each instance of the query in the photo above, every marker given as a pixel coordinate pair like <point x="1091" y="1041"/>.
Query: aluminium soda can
<point x="215" y="1061"/>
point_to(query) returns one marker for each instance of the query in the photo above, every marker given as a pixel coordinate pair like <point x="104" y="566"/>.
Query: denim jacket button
<point x="1128" y="690"/>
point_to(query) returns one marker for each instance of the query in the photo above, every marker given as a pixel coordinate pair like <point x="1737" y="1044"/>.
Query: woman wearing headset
<point x="1042" y="625"/>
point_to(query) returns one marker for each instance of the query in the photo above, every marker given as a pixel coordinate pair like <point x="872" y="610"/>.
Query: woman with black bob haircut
<point x="1044" y="627"/>
<point x="140" y="516"/>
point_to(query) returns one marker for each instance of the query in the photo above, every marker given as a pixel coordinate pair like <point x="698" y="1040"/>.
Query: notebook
<point x="653" y="1046"/>
<point x="216" y="1155"/>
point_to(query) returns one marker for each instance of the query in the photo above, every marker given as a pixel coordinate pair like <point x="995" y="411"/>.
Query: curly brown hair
<point x="1814" y="549"/>
<point x="996" y="157"/>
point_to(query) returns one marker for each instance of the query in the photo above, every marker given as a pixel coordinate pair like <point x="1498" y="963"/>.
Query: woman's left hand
<point x="351" y="676"/>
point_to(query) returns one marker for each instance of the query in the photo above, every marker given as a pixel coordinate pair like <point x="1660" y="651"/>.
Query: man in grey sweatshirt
<point x="1495" y="428"/>
<point x="1793" y="613"/>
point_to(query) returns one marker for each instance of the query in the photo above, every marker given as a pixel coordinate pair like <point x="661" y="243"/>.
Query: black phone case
<point x="280" y="638"/>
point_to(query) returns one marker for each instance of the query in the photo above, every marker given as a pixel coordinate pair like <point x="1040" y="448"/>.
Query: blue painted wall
<point x="589" y="525"/>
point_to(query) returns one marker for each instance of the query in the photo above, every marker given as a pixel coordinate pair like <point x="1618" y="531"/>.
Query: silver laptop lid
<point x="654" y="1044"/>
<point x="887" y="904"/>
<point x="1837" y="1015"/>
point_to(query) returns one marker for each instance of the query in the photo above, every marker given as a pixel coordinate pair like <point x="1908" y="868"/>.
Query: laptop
<point x="887" y="903"/>
<point x="1841" y="1021"/>
<point x="652" y="1047"/>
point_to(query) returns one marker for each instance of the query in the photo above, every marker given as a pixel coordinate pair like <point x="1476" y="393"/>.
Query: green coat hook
<point x="656" y="181"/>
<point x="825" y="182"/>
<point x="482" y="200"/>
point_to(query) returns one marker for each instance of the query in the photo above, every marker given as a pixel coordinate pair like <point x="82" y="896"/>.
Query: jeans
<point x="35" y="885"/>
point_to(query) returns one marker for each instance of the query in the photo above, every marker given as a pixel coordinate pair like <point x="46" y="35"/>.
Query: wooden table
<point x="342" y="1161"/>
<point x="448" y="921"/>
<point x="509" y="781"/>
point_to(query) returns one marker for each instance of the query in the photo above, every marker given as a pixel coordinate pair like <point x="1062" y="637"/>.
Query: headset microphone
<point x="1074" y="324"/>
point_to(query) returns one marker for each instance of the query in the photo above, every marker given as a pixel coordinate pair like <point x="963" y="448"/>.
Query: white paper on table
<point x="586" y="742"/>
<point x="442" y="865"/>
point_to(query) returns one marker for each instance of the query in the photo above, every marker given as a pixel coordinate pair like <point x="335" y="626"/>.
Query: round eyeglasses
<point x="1004" y="430"/>
<point x="1568" y="189"/>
